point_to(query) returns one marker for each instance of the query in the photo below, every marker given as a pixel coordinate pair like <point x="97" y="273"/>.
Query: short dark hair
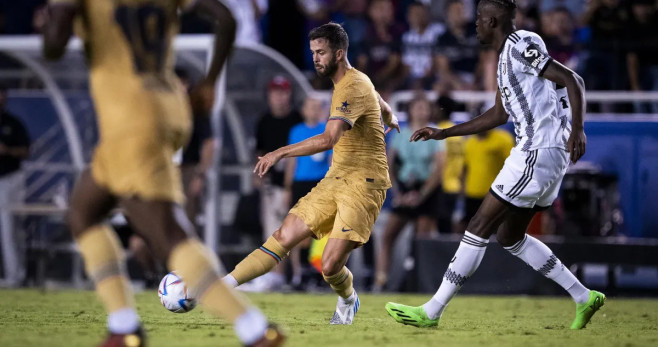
<point x="333" y="33"/>
<point x="507" y="5"/>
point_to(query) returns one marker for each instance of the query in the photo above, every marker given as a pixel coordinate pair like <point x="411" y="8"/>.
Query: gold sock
<point x="260" y="261"/>
<point x="341" y="282"/>
<point x="105" y="264"/>
<point x="199" y="269"/>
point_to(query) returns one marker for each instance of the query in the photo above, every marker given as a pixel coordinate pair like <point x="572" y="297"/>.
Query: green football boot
<point x="410" y="315"/>
<point x="585" y="311"/>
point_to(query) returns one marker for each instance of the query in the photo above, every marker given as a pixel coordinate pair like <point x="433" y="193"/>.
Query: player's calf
<point x="259" y="262"/>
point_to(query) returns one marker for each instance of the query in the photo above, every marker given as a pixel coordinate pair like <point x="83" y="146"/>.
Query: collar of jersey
<point x="502" y="46"/>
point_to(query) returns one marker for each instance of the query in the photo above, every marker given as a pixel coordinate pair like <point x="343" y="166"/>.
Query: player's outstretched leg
<point x="171" y="238"/>
<point x="104" y="259"/>
<point x="536" y="254"/>
<point x="271" y="253"/>
<point x="340" y="278"/>
<point x="462" y="266"/>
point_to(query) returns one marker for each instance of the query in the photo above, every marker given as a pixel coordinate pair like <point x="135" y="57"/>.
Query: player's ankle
<point x="349" y="300"/>
<point x="230" y="281"/>
<point x="250" y="326"/>
<point x="123" y="321"/>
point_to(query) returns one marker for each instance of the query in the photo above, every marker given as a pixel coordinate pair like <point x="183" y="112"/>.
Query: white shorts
<point x="531" y="179"/>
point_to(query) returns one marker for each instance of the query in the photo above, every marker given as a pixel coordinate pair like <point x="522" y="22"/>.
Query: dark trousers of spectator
<point x="447" y="204"/>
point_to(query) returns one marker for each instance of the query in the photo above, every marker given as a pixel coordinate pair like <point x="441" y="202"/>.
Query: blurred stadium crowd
<point x="431" y="44"/>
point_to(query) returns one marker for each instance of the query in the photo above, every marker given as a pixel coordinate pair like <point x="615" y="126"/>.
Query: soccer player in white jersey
<point x="540" y="95"/>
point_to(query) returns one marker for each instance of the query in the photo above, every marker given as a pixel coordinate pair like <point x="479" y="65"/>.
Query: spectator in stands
<point x="272" y="132"/>
<point x="284" y="30"/>
<point x="381" y="57"/>
<point x="14" y="148"/>
<point x="17" y="16"/>
<point x="484" y="156"/>
<point x="247" y="14"/>
<point x="642" y="56"/>
<point x="438" y="9"/>
<point x="304" y="173"/>
<point x="355" y="23"/>
<point x="418" y="45"/>
<point x="576" y="8"/>
<point x="451" y="185"/>
<point x="607" y="20"/>
<point x="560" y="39"/>
<point x="416" y="176"/>
<point x="458" y="52"/>
<point x="527" y="17"/>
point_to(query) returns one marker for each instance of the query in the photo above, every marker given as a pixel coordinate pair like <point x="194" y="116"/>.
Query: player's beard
<point x="329" y="69"/>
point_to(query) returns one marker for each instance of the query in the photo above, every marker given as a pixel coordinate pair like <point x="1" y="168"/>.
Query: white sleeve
<point x="530" y="56"/>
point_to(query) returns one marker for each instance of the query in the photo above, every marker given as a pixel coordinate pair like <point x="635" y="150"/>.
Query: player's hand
<point x="428" y="133"/>
<point x="266" y="162"/>
<point x="577" y="144"/>
<point x="392" y="124"/>
<point x="3" y="149"/>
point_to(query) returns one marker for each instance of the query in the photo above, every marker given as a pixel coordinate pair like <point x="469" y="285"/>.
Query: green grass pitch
<point x="76" y="318"/>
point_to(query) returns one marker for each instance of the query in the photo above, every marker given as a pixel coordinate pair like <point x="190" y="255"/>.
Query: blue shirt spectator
<point x="313" y="167"/>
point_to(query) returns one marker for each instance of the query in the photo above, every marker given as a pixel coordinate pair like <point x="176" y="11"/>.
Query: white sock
<point x="462" y="266"/>
<point x="123" y="321"/>
<point x="349" y="300"/>
<point x="536" y="254"/>
<point x="250" y="326"/>
<point x="230" y="281"/>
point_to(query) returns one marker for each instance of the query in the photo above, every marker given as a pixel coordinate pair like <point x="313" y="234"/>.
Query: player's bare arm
<point x="390" y="120"/>
<point x="58" y="29"/>
<point x="225" y="28"/>
<point x="493" y="117"/>
<point x="561" y="75"/>
<point x="215" y="12"/>
<point x="332" y="133"/>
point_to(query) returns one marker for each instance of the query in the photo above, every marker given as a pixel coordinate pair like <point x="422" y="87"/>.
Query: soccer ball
<point x="173" y="294"/>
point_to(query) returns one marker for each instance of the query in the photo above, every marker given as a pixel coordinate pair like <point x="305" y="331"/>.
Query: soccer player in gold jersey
<point x="346" y="202"/>
<point x="143" y="118"/>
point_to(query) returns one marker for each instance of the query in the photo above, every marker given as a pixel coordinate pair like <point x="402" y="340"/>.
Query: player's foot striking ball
<point x="546" y="101"/>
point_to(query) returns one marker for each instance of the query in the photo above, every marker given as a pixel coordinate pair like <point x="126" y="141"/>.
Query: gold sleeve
<point x="348" y="104"/>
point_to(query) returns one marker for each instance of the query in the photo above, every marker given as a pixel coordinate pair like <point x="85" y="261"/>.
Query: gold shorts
<point x="342" y="208"/>
<point x="135" y="155"/>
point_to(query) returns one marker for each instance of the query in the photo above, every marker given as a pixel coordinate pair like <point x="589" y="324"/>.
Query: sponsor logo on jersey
<point x="533" y="55"/>
<point x="344" y="107"/>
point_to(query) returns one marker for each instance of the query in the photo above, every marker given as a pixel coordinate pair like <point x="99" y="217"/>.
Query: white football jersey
<point x="541" y="117"/>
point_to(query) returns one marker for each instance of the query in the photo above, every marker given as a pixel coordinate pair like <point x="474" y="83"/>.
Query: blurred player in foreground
<point x="532" y="89"/>
<point x="144" y="117"/>
<point x="348" y="199"/>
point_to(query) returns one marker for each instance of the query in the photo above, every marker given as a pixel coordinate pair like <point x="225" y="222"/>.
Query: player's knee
<point x="284" y="238"/>
<point x="331" y="266"/>
<point x="78" y="222"/>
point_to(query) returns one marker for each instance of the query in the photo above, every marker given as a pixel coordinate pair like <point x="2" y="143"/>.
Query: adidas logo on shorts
<point x="499" y="187"/>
